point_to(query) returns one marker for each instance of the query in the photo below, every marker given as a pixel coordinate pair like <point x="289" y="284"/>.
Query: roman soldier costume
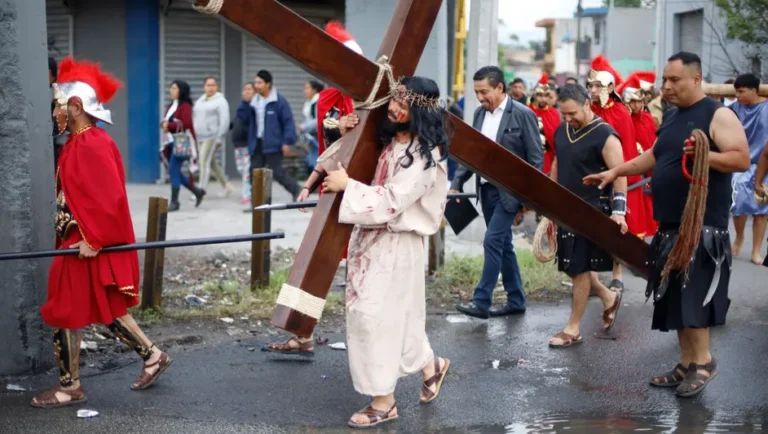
<point x="638" y="89"/>
<point x="611" y="110"/>
<point x="549" y="119"/>
<point x="92" y="207"/>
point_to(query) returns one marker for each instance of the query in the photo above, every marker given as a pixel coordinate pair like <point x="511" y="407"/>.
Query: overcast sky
<point x="520" y="16"/>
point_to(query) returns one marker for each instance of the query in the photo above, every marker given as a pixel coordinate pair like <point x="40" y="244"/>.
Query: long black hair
<point x="183" y="91"/>
<point x="428" y="124"/>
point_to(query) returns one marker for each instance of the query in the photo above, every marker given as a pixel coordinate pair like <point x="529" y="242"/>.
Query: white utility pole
<point x="482" y="47"/>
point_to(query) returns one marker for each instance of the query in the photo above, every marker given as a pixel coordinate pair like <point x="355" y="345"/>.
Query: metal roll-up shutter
<point x="192" y="50"/>
<point x="692" y="31"/>
<point x="59" y="27"/>
<point x="288" y="78"/>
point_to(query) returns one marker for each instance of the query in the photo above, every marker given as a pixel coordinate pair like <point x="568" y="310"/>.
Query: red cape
<point x="617" y="115"/>
<point x="328" y="99"/>
<point x="93" y="181"/>
<point x="645" y="127"/>
<point x="551" y="119"/>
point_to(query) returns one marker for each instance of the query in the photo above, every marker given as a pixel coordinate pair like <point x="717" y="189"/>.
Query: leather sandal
<point x="568" y="340"/>
<point x="306" y="349"/>
<point x="375" y="417"/>
<point x="48" y="399"/>
<point x="609" y="321"/>
<point x="435" y="380"/>
<point x="695" y="382"/>
<point x="146" y="379"/>
<point x="672" y="378"/>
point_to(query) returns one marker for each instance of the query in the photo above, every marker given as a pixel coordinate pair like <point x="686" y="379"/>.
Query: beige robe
<point x="386" y="305"/>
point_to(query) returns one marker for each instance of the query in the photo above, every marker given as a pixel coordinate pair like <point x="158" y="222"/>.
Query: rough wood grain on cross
<point x="324" y="242"/>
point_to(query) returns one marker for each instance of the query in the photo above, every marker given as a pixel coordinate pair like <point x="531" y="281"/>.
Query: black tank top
<point x="580" y="154"/>
<point x="669" y="187"/>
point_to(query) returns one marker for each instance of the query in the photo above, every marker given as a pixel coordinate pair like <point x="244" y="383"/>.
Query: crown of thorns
<point x="402" y="93"/>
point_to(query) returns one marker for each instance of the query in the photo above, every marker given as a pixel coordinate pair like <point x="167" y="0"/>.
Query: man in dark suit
<point x="515" y="127"/>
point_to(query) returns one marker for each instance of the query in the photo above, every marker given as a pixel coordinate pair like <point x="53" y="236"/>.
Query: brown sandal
<point x="146" y="379"/>
<point x="435" y="380"/>
<point x="375" y="417"/>
<point x="672" y="378"/>
<point x="608" y="321"/>
<point x="568" y="340"/>
<point x="306" y="349"/>
<point x="694" y="382"/>
<point x="48" y="399"/>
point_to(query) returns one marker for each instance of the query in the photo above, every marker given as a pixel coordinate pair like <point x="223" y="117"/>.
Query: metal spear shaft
<point x="145" y="246"/>
<point x="313" y="203"/>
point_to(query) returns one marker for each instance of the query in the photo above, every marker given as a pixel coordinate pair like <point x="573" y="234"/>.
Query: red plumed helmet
<point x="337" y="30"/>
<point x="633" y="82"/>
<point x="544" y="80"/>
<point x="104" y="84"/>
<point x="600" y="63"/>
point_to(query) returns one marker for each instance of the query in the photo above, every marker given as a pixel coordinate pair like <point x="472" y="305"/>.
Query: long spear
<point x="146" y="246"/>
<point x="313" y="203"/>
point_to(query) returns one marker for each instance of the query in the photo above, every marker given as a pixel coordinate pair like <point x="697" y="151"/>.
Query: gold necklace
<point x="83" y="129"/>
<point x="568" y="130"/>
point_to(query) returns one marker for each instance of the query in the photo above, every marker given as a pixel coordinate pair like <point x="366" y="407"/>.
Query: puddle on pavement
<point x="667" y="424"/>
<point x="503" y="365"/>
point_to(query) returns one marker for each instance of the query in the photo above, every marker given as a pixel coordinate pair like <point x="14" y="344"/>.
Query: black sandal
<point x="672" y="378"/>
<point x="695" y="382"/>
<point x="618" y="284"/>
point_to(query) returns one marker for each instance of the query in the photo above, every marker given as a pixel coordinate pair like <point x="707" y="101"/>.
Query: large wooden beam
<point x="727" y="90"/>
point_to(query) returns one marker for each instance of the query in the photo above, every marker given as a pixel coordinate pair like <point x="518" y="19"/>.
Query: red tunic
<point x="331" y="98"/>
<point x="551" y="119"/>
<point x="645" y="127"/>
<point x="617" y="116"/>
<point x="97" y="290"/>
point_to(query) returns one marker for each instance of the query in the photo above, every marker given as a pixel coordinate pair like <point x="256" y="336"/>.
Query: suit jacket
<point x="519" y="133"/>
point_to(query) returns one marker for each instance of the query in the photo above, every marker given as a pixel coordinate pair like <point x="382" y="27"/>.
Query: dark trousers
<point x="499" y="253"/>
<point x="274" y="161"/>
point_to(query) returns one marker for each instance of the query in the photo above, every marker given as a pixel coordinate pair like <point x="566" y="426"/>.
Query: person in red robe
<point x="549" y="120"/>
<point x="635" y="91"/>
<point x="606" y="103"/>
<point x="92" y="213"/>
<point x="335" y="116"/>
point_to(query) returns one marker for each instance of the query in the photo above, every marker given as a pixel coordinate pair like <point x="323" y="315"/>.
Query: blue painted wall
<point x="142" y="19"/>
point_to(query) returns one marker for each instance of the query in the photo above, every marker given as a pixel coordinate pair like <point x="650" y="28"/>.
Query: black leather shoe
<point x="506" y="310"/>
<point x="472" y="310"/>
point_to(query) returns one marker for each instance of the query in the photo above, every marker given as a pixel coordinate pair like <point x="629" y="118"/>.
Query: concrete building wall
<point x="630" y="34"/>
<point x="717" y="54"/>
<point x="233" y="84"/>
<point x="100" y="35"/>
<point x="26" y="185"/>
<point x="367" y="20"/>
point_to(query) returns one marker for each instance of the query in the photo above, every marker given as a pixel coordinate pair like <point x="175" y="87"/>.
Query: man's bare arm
<point x="553" y="170"/>
<point x="637" y="166"/>
<point x="614" y="158"/>
<point x="762" y="169"/>
<point x="731" y="140"/>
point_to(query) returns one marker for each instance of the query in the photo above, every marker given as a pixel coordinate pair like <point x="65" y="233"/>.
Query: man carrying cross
<point x="386" y="304"/>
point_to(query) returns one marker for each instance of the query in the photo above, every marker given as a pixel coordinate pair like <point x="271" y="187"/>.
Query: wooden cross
<point x="324" y="242"/>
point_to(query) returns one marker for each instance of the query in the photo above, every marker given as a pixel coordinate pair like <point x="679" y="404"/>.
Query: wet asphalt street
<point x="597" y="387"/>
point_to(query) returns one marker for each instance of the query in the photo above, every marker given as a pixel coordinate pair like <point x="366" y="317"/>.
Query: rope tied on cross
<point x="212" y="8"/>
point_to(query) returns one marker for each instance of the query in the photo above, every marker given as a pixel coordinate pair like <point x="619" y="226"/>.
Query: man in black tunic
<point x="694" y="304"/>
<point x="586" y="145"/>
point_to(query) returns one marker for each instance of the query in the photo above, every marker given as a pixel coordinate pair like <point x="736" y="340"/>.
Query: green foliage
<point x="746" y="20"/>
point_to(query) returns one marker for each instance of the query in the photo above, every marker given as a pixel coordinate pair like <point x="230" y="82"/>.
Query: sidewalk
<point x="218" y="216"/>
